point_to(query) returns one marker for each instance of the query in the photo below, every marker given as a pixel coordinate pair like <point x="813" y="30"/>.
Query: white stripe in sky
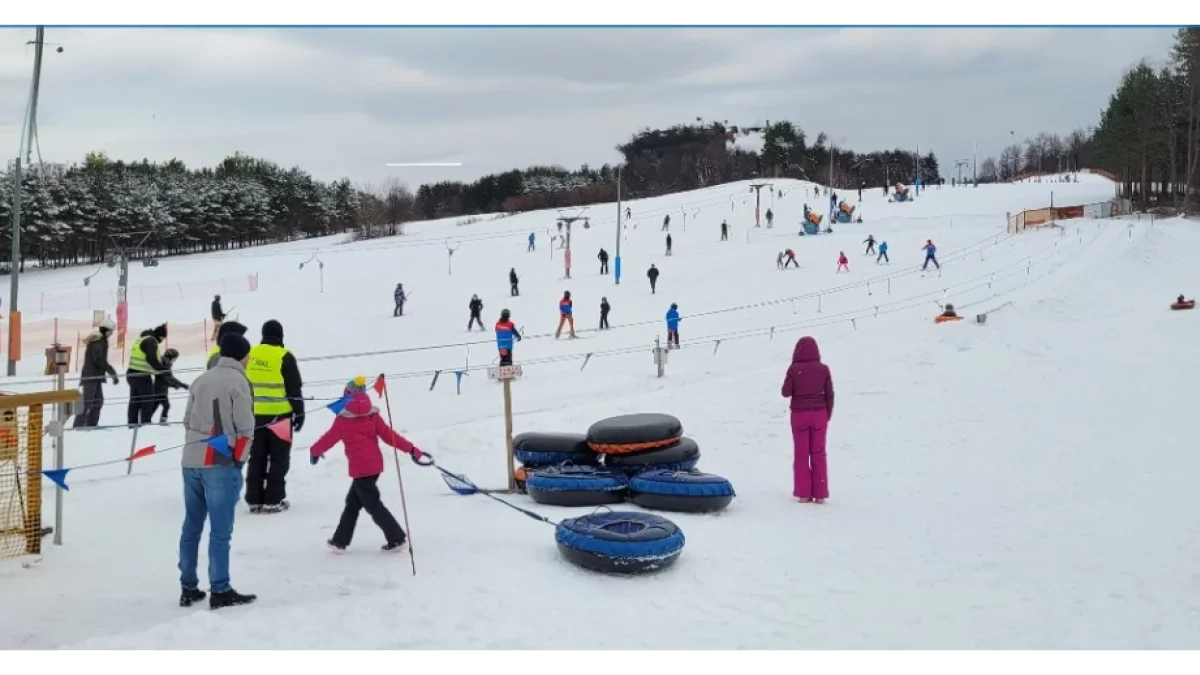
<point x="425" y="164"/>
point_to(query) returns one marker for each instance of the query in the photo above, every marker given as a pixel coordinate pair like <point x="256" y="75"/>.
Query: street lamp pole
<point x="617" y="260"/>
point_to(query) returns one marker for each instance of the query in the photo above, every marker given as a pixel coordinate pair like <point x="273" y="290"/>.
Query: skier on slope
<point x="399" y="296"/>
<point x="506" y="333"/>
<point x="883" y="254"/>
<point x="604" y="309"/>
<point x="673" y="320"/>
<point x="512" y="282"/>
<point x="870" y="242"/>
<point x="652" y="274"/>
<point x="770" y="218"/>
<point x="532" y="238"/>
<point x="666" y="222"/>
<point x="603" y="258"/>
<point x="668" y="244"/>
<point x="930" y="255"/>
<point x="724" y="231"/>
<point x="791" y="258"/>
<point x="843" y="262"/>
<point x="779" y="260"/>
<point x="476" y="307"/>
<point x="565" y="315"/>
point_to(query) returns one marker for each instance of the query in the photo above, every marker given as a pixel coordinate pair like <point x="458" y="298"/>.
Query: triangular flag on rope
<point x="338" y="405"/>
<point x="458" y="381"/>
<point x="282" y="429"/>
<point x="380" y="385"/>
<point x="220" y="444"/>
<point x="58" y="476"/>
<point x="143" y="452"/>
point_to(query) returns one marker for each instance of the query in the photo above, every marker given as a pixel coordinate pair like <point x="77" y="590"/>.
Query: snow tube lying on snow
<point x="1189" y="304"/>
<point x="620" y="542"/>
<point x="682" y="456"/>
<point x="576" y="486"/>
<point x="634" y="433"/>
<point x="689" y="491"/>
<point x="942" y="318"/>
<point x="538" y="449"/>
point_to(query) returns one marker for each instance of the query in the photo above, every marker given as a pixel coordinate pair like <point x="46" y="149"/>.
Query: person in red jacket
<point x="565" y="315"/>
<point x="810" y="387"/>
<point x="360" y="428"/>
<point x="843" y="262"/>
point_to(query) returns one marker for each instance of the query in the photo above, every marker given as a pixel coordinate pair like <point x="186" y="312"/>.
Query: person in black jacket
<point x="603" y="258"/>
<point x="604" y="308"/>
<point x="476" y="307"/>
<point x="163" y="381"/>
<point x="652" y="273"/>
<point x="218" y="315"/>
<point x="143" y="364"/>
<point x="95" y="368"/>
<point x="270" y="455"/>
<point x="512" y="282"/>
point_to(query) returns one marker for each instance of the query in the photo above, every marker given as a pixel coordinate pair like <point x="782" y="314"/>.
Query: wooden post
<point x="506" y="374"/>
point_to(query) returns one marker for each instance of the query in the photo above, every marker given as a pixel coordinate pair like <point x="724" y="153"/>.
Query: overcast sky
<point x="345" y="102"/>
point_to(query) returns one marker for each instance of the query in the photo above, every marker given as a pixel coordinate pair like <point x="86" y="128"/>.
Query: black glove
<point x="297" y="422"/>
<point x="422" y="458"/>
<point x="116" y="380"/>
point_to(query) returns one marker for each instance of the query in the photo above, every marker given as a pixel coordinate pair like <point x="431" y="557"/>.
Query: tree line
<point x="1148" y="135"/>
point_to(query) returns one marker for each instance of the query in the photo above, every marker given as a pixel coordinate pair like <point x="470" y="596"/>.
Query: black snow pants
<point x="93" y="401"/>
<point x="474" y="320"/>
<point x="142" y="398"/>
<point x="267" y="469"/>
<point x="364" y="496"/>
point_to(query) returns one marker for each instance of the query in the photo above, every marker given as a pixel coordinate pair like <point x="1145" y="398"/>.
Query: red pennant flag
<point x="142" y="452"/>
<point x="379" y="385"/>
<point x="282" y="429"/>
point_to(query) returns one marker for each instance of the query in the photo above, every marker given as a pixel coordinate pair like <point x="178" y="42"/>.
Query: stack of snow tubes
<point x="541" y="451"/>
<point x="651" y="449"/>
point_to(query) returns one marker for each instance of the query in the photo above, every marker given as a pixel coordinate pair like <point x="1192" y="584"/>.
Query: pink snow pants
<point x="810" y="479"/>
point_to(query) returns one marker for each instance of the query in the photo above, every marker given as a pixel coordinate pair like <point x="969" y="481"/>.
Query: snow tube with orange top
<point x="941" y="318"/>
<point x="1187" y="304"/>
<point x="638" y="432"/>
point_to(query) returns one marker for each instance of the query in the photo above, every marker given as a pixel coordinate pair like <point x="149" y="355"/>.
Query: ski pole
<point x="412" y="556"/>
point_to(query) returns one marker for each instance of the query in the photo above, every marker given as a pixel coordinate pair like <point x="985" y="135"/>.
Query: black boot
<point x="229" y="598"/>
<point x="191" y="595"/>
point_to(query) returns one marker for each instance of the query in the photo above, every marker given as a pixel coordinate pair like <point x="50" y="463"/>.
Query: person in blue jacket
<point x="531" y="240"/>
<point x="930" y="255"/>
<point x="673" y="326"/>
<point x="506" y="332"/>
<point x="883" y="253"/>
<point x="400" y="298"/>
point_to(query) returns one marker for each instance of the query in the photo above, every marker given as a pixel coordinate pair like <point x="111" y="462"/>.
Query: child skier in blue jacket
<point x="673" y="320"/>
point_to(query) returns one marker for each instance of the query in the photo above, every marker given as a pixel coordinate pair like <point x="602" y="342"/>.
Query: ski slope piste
<point x="1020" y="483"/>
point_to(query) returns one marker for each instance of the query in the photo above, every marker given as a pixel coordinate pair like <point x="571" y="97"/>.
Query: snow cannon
<point x="901" y="193"/>
<point x="845" y="213"/>
<point x="812" y="228"/>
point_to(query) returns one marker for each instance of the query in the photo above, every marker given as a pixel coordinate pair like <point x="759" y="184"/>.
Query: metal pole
<point x="617" y="261"/>
<point x="39" y="42"/>
<point x="509" y="465"/>
<point x="16" y="256"/>
<point x="567" y="252"/>
<point x="60" y="417"/>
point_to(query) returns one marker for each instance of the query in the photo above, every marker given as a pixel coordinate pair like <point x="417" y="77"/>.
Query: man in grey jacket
<point x="219" y="425"/>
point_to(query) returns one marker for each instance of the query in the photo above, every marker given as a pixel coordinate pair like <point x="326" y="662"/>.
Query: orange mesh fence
<point x="104" y="298"/>
<point x="20" y="481"/>
<point x="189" y="339"/>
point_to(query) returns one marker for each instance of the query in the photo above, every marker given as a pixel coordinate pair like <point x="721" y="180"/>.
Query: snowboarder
<point x="532" y="238"/>
<point x="843" y="262"/>
<point x="883" y="254"/>
<point x="512" y="282"/>
<point x="163" y="381"/>
<point x="770" y="218"/>
<point x="668" y="244"/>
<point x="603" y="258"/>
<point x="652" y="274"/>
<point x="673" y="326"/>
<point x="724" y="231"/>
<point x="604" y="309"/>
<point x="666" y="222"/>
<point x="791" y="259"/>
<point x="565" y="315"/>
<point x="360" y="428"/>
<point x="930" y="255"/>
<point x="506" y="332"/>
<point x="870" y="242"/>
<point x="399" y="296"/>
<point x="95" y="369"/>
<point x="476" y="307"/>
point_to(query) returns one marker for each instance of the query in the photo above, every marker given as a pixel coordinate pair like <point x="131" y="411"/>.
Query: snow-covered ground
<point x="1025" y="483"/>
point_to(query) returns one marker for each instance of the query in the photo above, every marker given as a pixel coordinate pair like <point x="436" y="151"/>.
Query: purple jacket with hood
<point x="808" y="382"/>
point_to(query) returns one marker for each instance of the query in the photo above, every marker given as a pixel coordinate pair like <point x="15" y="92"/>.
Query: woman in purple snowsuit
<point x="810" y="387"/>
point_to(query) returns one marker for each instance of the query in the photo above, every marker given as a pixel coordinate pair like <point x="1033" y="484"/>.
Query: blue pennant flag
<point x="220" y="444"/>
<point x="338" y="405"/>
<point x="58" y="476"/>
<point x="458" y="383"/>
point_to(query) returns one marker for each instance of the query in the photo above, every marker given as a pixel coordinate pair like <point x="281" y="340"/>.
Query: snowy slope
<point x="1013" y="485"/>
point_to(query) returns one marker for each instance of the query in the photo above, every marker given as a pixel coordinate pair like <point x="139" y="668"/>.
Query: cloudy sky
<point x="345" y="102"/>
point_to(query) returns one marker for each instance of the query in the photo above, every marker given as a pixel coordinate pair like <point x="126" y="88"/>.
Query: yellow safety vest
<point x="211" y="353"/>
<point x="137" y="357"/>
<point x="265" y="372"/>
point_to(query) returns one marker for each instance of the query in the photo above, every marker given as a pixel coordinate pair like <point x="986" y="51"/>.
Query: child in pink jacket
<point x="360" y="428"/>
<point x="810" y="387"/>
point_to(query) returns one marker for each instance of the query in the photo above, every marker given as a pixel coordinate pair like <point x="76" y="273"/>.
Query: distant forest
<point x="1148" y="138"/>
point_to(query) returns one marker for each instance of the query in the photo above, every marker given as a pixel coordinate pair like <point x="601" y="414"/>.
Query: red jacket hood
<point x="806" y="350"/>
<point x="359" y="404"/>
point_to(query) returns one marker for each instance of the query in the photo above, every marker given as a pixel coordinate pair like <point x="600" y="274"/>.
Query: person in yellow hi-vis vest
<point x="227" y="328"/>
<point x="144" y="362"/>
<point x="275" y="380"/>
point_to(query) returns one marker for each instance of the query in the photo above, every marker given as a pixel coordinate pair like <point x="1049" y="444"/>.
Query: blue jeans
<point x="211" y="493"/>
